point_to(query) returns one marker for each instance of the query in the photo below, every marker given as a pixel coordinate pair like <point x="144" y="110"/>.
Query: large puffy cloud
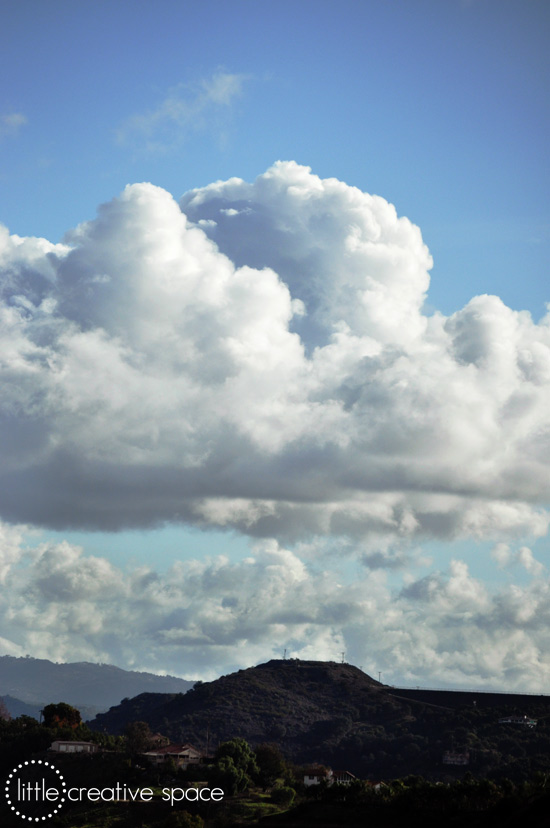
<point x="355" y="265"/>
<point x="257" y="357"/>
<point x="203" y="618"/>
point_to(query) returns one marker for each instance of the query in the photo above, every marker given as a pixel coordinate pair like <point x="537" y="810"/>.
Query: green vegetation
<point x="338" y="717"/>
<point x="413" y="802"/>
<point x="62" y="715"/>
<point x="283" y="796"/>
<point x="261" y="785"/>
<point x="138" y="737"/>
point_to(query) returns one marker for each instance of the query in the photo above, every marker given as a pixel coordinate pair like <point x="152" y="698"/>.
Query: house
<point x="343" y="777"/>
<point x="183" y="755"/>
<point x="453" y="758"/>
<point x="375" y="786"/>
<point x="521" y="720"/>
<point x="317" y="774"/>
<point x="61" y="746"/>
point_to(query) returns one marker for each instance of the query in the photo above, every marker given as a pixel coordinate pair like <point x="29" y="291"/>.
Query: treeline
<point x="260" y="781"/>
<point x="235" y="768"/>
<point x="23" y="737"/>
<point x="414" y="802"/>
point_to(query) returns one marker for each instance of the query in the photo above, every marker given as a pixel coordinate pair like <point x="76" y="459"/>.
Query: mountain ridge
<point x="85" y="684"/>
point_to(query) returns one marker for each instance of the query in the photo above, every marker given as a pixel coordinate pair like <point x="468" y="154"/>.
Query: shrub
<point x="284" y="797"/>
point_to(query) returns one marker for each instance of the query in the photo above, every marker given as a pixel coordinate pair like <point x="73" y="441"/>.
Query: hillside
<point x="337" y="715"/>
<point x="306" y="707"/>
<point x="37" y="682"/>
<point x="279" y="700"/>
<point x="468" y="698"/>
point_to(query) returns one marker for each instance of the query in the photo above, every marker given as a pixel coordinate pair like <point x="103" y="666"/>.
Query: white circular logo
<point x="35" y="790"/>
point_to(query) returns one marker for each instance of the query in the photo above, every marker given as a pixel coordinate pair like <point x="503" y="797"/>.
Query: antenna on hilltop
<point x="343" y="657"/>
<point x="284" y="656"/>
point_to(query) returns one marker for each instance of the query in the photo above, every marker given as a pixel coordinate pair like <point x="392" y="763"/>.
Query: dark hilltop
<point x="335" y="714"/>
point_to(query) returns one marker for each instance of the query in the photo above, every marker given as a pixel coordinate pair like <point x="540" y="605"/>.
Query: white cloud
<point x="204" y="618"/>
<point x="258" y="359"/>
<point x="186" y="108"/>
<point x="358" y="268"/>
<point x="10" y="549"/>
<point x="261" y="361"/>
<point x="505" y="558"/>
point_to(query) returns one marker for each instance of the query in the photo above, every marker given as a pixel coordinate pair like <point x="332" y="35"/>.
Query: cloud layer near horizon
<point x="204" y="618"/>
<point x="257" y="358"/>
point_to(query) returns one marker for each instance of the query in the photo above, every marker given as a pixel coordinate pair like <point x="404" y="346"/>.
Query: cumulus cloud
<point x="258" y="358"/>
<point x="203" y="618"/>
<point x="186" y="108"/>
<point x="506" y="558"/>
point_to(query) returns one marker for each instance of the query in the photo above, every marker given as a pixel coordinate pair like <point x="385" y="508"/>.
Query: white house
<point x="315" y="775"/>
<point x="183" y="755"/>
<point x="343" y="777"/>
<point x="521" y="720"/>
<point x="451" y="757"/>
<point x="62" y="746"/>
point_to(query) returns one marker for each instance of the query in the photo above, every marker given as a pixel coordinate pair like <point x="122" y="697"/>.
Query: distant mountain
<point x="337" y="715"/>
<point x="17" y="708"/>
<point x="90" y="687"/>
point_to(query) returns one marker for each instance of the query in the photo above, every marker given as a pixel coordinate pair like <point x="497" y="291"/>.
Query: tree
<point x="138" y="736"/>
<point x="271" y="764"/>
<point x="230" y="778"/>
<point x="61" y="715"/>
<point x="241" y="753"/>
<point x="4" y="712"/>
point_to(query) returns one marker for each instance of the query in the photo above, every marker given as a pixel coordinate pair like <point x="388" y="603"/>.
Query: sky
<point x="275" y="357"/>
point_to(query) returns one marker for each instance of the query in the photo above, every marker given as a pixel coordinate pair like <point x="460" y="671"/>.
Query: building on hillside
<point x="451" y="757"/>
<point x="183" y="755"/>
<point x="521" y="720"/>
<point x="343" y="777"/>
<point x="376" y="786"/>
<point x="66" y="746"/>
<point x="317" y="774"/>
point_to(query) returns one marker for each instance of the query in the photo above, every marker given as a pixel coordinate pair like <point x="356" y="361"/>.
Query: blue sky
<point x="442" y="108"/>
<point x="439" y="108"/>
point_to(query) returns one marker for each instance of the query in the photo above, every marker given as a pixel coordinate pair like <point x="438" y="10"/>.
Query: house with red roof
<point x="183" y="755"/>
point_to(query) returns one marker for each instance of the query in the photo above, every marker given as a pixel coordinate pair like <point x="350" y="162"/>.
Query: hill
<point x="279" y="700"/>
<point x="37" y="681"/>
<point x="337" y="715"/>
